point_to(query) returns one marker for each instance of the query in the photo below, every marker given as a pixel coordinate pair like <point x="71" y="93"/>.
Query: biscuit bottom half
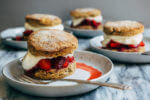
<point x="140" y="49"/>
<point x="55" y="73"/>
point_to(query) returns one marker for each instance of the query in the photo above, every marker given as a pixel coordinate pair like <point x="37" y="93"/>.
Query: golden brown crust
<point x="25" y="38"/>
<point x="43" y="20"/>
<point x="89" y="27"/>
<point x="139" y="49"/>
<point x="123" y="28"/>
<point x="56" y="74"/>
<point x="46" y="42"/>
<point x="85" y="12"/>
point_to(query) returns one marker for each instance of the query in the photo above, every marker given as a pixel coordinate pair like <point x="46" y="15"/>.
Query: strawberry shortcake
<point x="86" y="18"/>
<point x="50" y="54"/>
<point x="35" y="22"/>
<point x="124" y="36"/>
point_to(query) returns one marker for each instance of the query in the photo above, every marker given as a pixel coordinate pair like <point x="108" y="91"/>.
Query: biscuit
<point x="54" y="73"/>
<point x="51" y="43"/>
<point x="42" y="20"/>
<point x="123" y="28"/>
<point x="85" y="12"/>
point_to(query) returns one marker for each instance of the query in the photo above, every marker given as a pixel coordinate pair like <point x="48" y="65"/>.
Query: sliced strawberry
<point x="70" y="59"/>
<point x="88" y="22"/>
<point x="142" y="44"/>
<point x="94" y="22"/>
<point x="65" y="63"/>
<point x="114" y="45"/>
<point x="132" y="46"/>
<point x="44" y="64"/>
<point x="18" y="38"/>
<point x="27" y="32"/>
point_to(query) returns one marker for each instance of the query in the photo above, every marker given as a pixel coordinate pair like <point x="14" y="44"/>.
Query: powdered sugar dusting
<point x="39" y="16"/>
<point x="126" y="23"/>
<point x="52" y="40"/>
<point x="50" y="36"/>
<point x="85" y="9"/>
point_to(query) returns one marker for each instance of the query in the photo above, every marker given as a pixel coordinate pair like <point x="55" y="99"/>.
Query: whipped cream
<point x="29" y="60"/>
<point x="135" y="40"/>
<point x="77" y="21"/>
<point x="30" y="27"/>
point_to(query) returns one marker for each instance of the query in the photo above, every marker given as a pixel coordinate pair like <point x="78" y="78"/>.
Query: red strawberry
<point x="142" y="44"/>
<point x="88" y="22"/>
<point x="18" y="38"/>
<point x="65" y="63"/>
<point x="70" y="59"/>
<point x="94" y="23"/>
<point x="27" y="32"/>
<point x="44" y="64"/>
<point x="132" y="46"/>
<point x="122" y="49"/>
<point x="113" y="45"/>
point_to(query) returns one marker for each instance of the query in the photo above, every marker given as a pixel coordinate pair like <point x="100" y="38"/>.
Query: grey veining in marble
<point x="135" y="75"/>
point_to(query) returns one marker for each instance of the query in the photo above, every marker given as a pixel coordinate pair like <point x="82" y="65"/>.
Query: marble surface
<point x="135" y="75"/>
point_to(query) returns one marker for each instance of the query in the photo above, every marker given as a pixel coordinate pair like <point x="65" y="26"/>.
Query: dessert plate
<point x="13" y="32"/>
<point x="128" y="57"/>
<point x="61" y="88"/>
<point x="82" y="32"/>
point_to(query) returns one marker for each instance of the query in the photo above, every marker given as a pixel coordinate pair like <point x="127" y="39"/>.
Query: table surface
<point x="135" y="75"/>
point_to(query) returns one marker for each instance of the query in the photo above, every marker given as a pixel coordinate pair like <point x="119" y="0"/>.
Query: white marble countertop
<point x="135" y="75"/>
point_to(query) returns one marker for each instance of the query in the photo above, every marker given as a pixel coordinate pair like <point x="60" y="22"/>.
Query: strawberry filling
<point x="18" y="38"/>
<point x="92" y="23"/>
<point x="115" y="45"/>
<point x="55" y="63"/>
<point x="27" y="32"/>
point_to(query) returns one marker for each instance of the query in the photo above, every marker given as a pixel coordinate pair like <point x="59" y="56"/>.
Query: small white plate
<point x="59" y="88"/>
<point x="128" y="57"/>
<point x="13" y="32"/>
<point x="82" y="32"/>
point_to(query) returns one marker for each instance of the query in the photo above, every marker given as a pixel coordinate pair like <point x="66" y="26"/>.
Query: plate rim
<point x="12" y="28"/>
<point x="42" y="85"/>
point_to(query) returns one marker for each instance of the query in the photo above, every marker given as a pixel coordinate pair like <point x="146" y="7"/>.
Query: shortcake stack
<point x="86" y="18"/>
<point x="35" y="22"/>
<point x="125" y="36"/>
<point x="50" y="54"/>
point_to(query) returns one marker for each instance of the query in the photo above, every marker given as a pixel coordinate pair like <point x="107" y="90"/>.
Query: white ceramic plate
<point x="13" y="32"/>
<point x="95" y="44"/>
<point x="56" y="89"/>
<point x="82" y="32"/>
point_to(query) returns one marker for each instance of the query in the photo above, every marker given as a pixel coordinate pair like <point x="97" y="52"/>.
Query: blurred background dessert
<point x="35" y="22"/>
<point x="125" y="36"/>
<point x="86" y="18"/>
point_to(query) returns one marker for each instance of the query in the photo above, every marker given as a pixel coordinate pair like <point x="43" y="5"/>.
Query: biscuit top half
<point x="85" y="12"/>
<point x="52" y="42"/>
<point x="43" y="19"/>
<point x="123" y="28"/>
